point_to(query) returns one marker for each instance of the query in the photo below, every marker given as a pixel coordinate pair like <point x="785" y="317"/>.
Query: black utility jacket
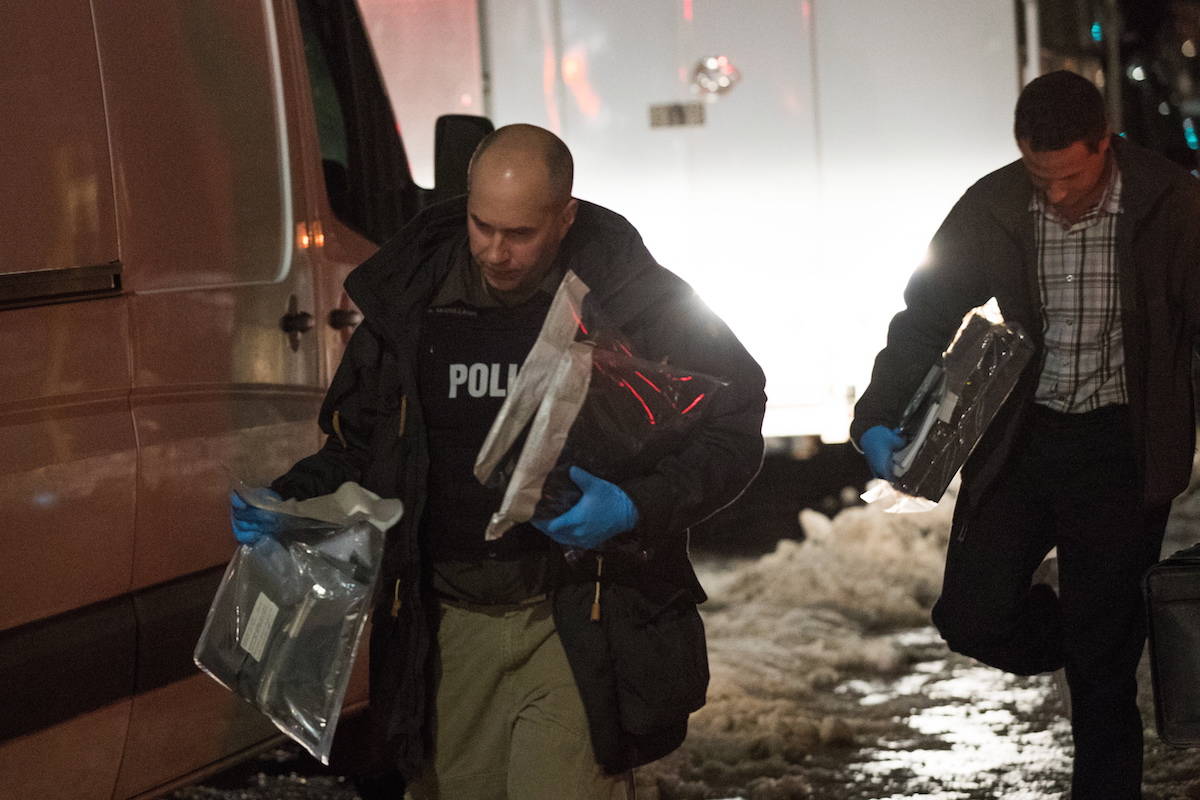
<point x="376" y="436"/>
<point x="985" y="248"/>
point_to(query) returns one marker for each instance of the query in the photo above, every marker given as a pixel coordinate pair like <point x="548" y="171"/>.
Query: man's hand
<point x="250" y="522"/>
<point x="603" y="512"/>
<point x="878" y="444"/>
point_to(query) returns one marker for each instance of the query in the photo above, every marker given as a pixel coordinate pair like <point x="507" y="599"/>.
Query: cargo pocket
<point x="659" y="657"/>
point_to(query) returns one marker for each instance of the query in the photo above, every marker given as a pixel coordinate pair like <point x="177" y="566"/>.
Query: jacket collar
<point x="390" y="274"/>
<point x="602" y="248"/>
<point x="1145" y="175"/>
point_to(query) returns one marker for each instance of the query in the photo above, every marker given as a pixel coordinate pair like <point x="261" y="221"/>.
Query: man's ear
<point x="566" y="217"/>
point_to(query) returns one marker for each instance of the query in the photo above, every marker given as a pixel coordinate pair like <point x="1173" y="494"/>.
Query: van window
<point x="57" y="193"/>
<point x="366" y="170"/>
<point x="199" y="142"/>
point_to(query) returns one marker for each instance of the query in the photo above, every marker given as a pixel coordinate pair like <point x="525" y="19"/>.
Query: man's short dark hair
<point x="1058" y="109"/>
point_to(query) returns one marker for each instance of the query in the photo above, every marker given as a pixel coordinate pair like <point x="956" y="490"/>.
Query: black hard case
<point x="1172" y="588"/>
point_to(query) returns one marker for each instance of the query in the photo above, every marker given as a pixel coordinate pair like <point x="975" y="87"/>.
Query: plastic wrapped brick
<point x="583" y="398"/>
<point x="960" y="395"/>
<point x="284" y="625"/>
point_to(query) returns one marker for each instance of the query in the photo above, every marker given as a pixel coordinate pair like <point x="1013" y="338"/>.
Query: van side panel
<point x="74" y="761"/>
<point x="178" y="727"/>
<point x="67" y="449"/>
<point x="56" y="187"/>
<point x="164" y="328"/>
<point x="193" y="441"/>
<point x="67" y="458"/>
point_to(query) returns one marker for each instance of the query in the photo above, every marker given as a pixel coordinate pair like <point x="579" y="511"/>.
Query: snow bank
<point x="784" y="630"/>
<point x="788" y="632"/>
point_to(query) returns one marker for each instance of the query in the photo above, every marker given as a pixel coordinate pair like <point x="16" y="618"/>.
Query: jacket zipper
<point x="396" y="602"/>
<point x="337" y="429"/>
<point x="595" y="616"/>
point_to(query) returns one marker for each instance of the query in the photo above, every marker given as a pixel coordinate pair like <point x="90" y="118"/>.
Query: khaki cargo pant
<point x="509" y="721"/>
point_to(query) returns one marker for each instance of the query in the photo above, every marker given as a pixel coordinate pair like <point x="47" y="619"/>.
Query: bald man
<point x="489" y="679"/>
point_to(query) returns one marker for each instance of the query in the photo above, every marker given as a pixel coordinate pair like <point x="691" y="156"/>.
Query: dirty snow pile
<point x="784" y="630"/>
<point x="789" y="631"/>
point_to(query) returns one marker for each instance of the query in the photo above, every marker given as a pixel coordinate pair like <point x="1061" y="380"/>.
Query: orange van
<point x="184" y="187"/>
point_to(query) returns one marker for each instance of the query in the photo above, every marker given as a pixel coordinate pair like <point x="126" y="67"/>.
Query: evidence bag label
<point x="258" y="627"/>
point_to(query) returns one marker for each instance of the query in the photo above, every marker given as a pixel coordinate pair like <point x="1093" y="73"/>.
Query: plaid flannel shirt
<point x="1081" y="299"/>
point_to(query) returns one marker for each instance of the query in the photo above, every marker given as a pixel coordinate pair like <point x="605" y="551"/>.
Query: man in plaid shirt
<point x="1092" y="245"/>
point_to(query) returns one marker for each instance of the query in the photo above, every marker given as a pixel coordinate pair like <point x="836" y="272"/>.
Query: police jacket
<point x="627" y="665"/>
<point x="985" y="248"/>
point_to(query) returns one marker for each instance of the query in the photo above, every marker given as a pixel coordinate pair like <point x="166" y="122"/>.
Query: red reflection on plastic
<point x="694" y="402"/>
<point x="685" y="377"/>
<point x="649" y="382"/>
<point x="579" y="321"/>
<point x="687" y="10"/>
<point x="646" y="408"/>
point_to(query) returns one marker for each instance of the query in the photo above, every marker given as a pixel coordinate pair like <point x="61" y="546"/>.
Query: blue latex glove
<point x="603" y="512"/>
<point x="878" y="443"/>
<point x="250" y="522"/>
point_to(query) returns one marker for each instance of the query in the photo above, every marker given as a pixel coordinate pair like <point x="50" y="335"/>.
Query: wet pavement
<point x="947" y="729"/>
<point x="975" y="731"/>
<point x="285" y="772"/>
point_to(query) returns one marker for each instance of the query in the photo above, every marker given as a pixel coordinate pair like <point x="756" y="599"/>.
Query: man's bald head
<point x="519" y="207"/>
<point x="532" y="154"/>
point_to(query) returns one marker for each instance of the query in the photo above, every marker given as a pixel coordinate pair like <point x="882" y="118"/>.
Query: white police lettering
<point x="481" y="380"/>
<point x="458" y="376"/>
<point x="477" y="375"/>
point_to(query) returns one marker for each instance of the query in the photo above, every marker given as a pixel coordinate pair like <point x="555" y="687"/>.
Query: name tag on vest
<point x="482" y="380"/>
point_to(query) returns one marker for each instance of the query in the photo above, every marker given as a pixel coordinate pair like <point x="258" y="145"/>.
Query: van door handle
<point x="298" y="322"/>
<point x="344" y="318"/>
<point x="295" y="323"/>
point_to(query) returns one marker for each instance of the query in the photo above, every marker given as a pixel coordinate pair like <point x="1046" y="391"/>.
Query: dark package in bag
<point x="583" y="398"/>
<point x="953" y="406"/>
<point x="1172" y="589"/>
<point x="284" y="625"/>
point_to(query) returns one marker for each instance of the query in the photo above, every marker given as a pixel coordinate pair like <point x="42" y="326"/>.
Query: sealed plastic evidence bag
<point x="951" y="409"/>
<point x="582" y="398"/>
<point x="284" y="625"/>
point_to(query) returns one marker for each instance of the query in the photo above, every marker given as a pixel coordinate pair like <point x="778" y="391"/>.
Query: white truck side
<point x="796" y="200"/>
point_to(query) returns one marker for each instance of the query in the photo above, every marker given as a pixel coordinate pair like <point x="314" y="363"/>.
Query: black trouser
<point x="1071" y="483"/>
